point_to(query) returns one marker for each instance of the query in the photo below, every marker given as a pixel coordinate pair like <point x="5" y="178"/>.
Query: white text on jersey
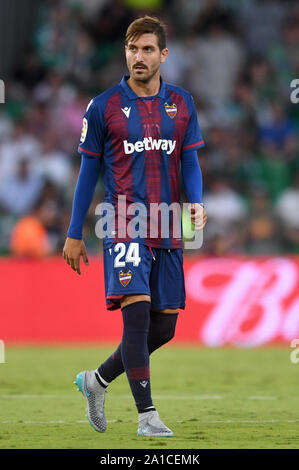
<point x="148" y="143"/>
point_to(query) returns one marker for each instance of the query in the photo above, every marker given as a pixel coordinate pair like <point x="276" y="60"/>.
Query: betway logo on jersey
<point x="148" y="143"/>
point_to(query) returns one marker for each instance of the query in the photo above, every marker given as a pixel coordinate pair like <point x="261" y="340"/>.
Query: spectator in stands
<point x="56" y="34"/>
<point x="240" y="112"/>
<point x="287" y="210"/>
<point x="278" y="129"/>
<point x="38" y="119"/>
<point x="53" y="164"/>
<point x="21" y="144"/>
<point x="179" y="59"/>
<point x="72" y="115"/>
<point x="19" y="193"/>
<point x="261" y="75"/>
<point x="112" y="21"/>
<point x="284" y="53"/>
<point x="30" y="71"/>
<point x="262" y="229"/>
<point x="29" y="238"/>
<point x="273" y="168"/>
<point x="217" y="58"/>
<point x="261" y="22"/>
<point x="227" y="215"/>
<point x="54" y="90"/>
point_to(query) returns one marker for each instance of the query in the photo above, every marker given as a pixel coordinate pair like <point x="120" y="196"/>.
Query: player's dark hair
<point x="145" y="25"/>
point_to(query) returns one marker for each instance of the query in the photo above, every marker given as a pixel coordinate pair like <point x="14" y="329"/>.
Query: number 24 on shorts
<point x="123" y="257"/>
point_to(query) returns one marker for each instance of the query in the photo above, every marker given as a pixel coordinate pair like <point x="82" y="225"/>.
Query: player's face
<point x="144" y="57"/>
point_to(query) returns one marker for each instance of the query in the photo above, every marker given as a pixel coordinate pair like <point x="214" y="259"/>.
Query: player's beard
<point x="144" y="77"/>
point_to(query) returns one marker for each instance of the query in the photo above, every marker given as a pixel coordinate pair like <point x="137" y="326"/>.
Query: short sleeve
<point x="193" y="139"/>
<point x="91" y="140"/>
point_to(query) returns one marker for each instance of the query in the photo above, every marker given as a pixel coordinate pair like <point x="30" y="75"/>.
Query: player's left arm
<point x="191" y="171"/>
<point x="193" y="184"/>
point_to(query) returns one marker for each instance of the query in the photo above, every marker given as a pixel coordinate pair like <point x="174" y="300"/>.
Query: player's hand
<point x="72" y="251"/>
<point x="198" y="215"/>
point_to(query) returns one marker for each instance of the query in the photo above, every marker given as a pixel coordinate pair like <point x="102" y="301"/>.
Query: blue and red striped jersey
<point x="139" y="141"/>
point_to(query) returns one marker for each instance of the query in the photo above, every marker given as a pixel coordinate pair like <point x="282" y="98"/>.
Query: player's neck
<point x="145" y="89"/>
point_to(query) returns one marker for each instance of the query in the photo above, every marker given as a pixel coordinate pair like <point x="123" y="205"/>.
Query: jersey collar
<point x="132" y="95"/>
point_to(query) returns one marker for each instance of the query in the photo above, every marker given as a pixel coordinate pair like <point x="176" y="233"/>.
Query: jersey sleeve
<point x="91" y="141"/>
<point x="193" y="139"/>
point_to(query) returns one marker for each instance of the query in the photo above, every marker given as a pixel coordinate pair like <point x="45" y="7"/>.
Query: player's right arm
<point x="90" y="149"/>
<point x="72" y="251"/>
<point x="74" y="246"/>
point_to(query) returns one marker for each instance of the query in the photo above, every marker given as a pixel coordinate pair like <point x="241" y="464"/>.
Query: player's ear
<point x="164" y="54"/>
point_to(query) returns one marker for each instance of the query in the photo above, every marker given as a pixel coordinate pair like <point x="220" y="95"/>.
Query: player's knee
<point x="162" y="329"/>
<point x="164" y="335"/>
<point x="164" y="338"/>
<point x="168" y="336"/>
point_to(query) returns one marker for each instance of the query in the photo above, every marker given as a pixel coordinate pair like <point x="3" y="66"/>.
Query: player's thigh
<point x="166" y="310"/>
<point x="167" y="281"/>
<point x="127" y="267"/>
<point x="131" y="299"/>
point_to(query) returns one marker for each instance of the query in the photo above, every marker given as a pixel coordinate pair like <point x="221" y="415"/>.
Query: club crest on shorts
<point x="171" y="109"/>
<point x="125" y="277"/>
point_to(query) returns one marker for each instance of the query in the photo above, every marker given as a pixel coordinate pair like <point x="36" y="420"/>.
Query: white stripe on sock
<point x="104" y="381"/>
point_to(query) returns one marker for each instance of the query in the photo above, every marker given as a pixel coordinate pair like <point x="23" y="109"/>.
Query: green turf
<point x="210" y="398"/>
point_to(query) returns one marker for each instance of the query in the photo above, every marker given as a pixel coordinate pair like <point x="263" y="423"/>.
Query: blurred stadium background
<point x="238" y="59"/>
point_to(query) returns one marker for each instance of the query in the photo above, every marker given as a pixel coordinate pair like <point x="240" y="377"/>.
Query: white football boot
<point x="150" y="425"/>
<point x="95" y="397"/>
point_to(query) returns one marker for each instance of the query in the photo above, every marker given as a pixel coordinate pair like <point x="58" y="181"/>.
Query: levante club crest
<point x="125" y="277"/>
<point x="171" y="109"/>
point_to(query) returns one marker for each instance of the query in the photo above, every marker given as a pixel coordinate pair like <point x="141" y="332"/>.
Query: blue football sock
<point x="134" y="352"/>
<point x="161" y="330"/>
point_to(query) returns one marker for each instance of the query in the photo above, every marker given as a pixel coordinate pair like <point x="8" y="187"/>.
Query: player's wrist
<point x="74" y="238"/>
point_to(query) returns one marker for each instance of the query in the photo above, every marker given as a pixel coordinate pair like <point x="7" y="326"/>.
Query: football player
<point x="138" y="135"/>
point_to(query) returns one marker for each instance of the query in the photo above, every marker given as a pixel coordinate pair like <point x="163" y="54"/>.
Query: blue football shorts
<point x="135" y="268"/>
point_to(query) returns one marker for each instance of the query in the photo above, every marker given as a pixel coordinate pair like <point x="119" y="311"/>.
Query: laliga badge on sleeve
<point x="84" y="130"/>
<point x="125" y="277"/>
<point x="171" y="109"/>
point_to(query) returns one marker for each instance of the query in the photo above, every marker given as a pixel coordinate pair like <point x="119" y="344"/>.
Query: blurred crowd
<point x="237" y="58"/>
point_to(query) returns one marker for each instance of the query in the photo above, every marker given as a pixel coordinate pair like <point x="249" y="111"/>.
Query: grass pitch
<point x="210" y="398"/>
